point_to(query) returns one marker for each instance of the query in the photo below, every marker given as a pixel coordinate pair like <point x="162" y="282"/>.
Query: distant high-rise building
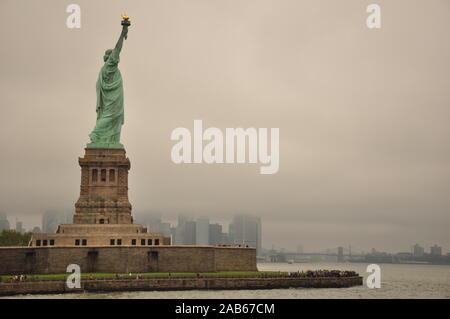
<point x="4" y="223"/>
<point x="225" y="239"/>
<point x="173" y="231"/>
<point x="148" y="220"/>
<point x="183" y="219"/>
<point x="180" y="231"/>
<point x="215" y="234"/>
<point x="202" y="231"/>
<point x="178" y="235"/>
<point x="436" y="250"/>
<point x="51" y="220"/>
<point x="152" y="221"/>
<point x="19" y="227"/>
<point x="418" y="251"/>
<point x="154" y="224"/>
<point x="245" y="230"/>
<point x="190" y="230"/>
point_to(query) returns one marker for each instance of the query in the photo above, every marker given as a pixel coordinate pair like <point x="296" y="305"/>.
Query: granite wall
<point x="125" y="259"/>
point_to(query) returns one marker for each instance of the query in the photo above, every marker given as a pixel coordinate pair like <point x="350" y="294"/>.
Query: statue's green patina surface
<point x="110" y="110"/>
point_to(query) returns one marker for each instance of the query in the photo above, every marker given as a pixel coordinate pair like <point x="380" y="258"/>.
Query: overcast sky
<point x="363" y="114"/>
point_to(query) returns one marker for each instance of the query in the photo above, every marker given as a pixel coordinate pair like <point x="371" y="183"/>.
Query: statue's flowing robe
<point x="110" y="114"/>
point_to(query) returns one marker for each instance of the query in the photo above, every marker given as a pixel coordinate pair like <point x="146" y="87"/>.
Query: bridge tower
<point x="340" y="256"/>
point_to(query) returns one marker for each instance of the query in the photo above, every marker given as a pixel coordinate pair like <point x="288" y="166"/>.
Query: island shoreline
<point x="166" y="284"/>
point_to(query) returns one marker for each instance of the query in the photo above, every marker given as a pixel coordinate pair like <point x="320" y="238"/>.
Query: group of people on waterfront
<point x="19" y="278"/>
<point x="303" y="274"/>
<point x="324" y="273"/>
<point x="223" y="245"/>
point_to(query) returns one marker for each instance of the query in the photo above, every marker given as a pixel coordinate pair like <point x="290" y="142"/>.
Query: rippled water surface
<point x="398" y="281"/>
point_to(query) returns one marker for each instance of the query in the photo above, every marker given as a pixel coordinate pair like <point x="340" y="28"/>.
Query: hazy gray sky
<point x="363" y="114"/>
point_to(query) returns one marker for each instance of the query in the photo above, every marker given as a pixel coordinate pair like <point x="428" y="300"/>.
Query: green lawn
<point x="154" y="275"/>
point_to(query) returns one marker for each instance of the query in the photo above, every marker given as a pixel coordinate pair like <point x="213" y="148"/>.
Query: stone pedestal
<point x="102" y="213"/>
<point x="104" y="188"/>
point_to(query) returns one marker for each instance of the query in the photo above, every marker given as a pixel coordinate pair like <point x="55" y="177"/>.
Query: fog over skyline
<point x="363" y="114"/>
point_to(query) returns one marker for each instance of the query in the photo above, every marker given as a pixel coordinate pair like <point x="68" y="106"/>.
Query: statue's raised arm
<point x="123" y="35"/>
<point x="115" y="53"/>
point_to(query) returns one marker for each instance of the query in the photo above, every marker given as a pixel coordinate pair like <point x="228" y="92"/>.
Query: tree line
<point x="13" y="238"/>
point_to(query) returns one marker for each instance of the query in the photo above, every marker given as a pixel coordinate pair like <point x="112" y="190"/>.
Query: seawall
<point x="58" y="287"/>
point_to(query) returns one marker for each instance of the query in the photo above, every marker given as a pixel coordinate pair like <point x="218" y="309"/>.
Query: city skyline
<point x="427" y="246"/>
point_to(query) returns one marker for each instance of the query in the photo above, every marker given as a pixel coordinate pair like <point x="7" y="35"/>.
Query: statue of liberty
<point x="110" y="113"/>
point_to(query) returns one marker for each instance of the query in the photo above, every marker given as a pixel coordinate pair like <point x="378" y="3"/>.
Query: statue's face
<point x="107" y="54"/>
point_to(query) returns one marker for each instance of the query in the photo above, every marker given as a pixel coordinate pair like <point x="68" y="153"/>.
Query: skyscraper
<point x="4" y="223"/>
<point x="180" y="231"/>
<point x="51" y="220"/>
<point x="436" y="250"/>
<point x="246" y="230"/>
<point x="215" y="234"/>
<point x="190" y="229"/>
<point x="153" y="223"/>
<point x="149" y="220"/>
<point x="19" y="227"/>
<point x="202" y="231"/>
<point x="418" y="251"/>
